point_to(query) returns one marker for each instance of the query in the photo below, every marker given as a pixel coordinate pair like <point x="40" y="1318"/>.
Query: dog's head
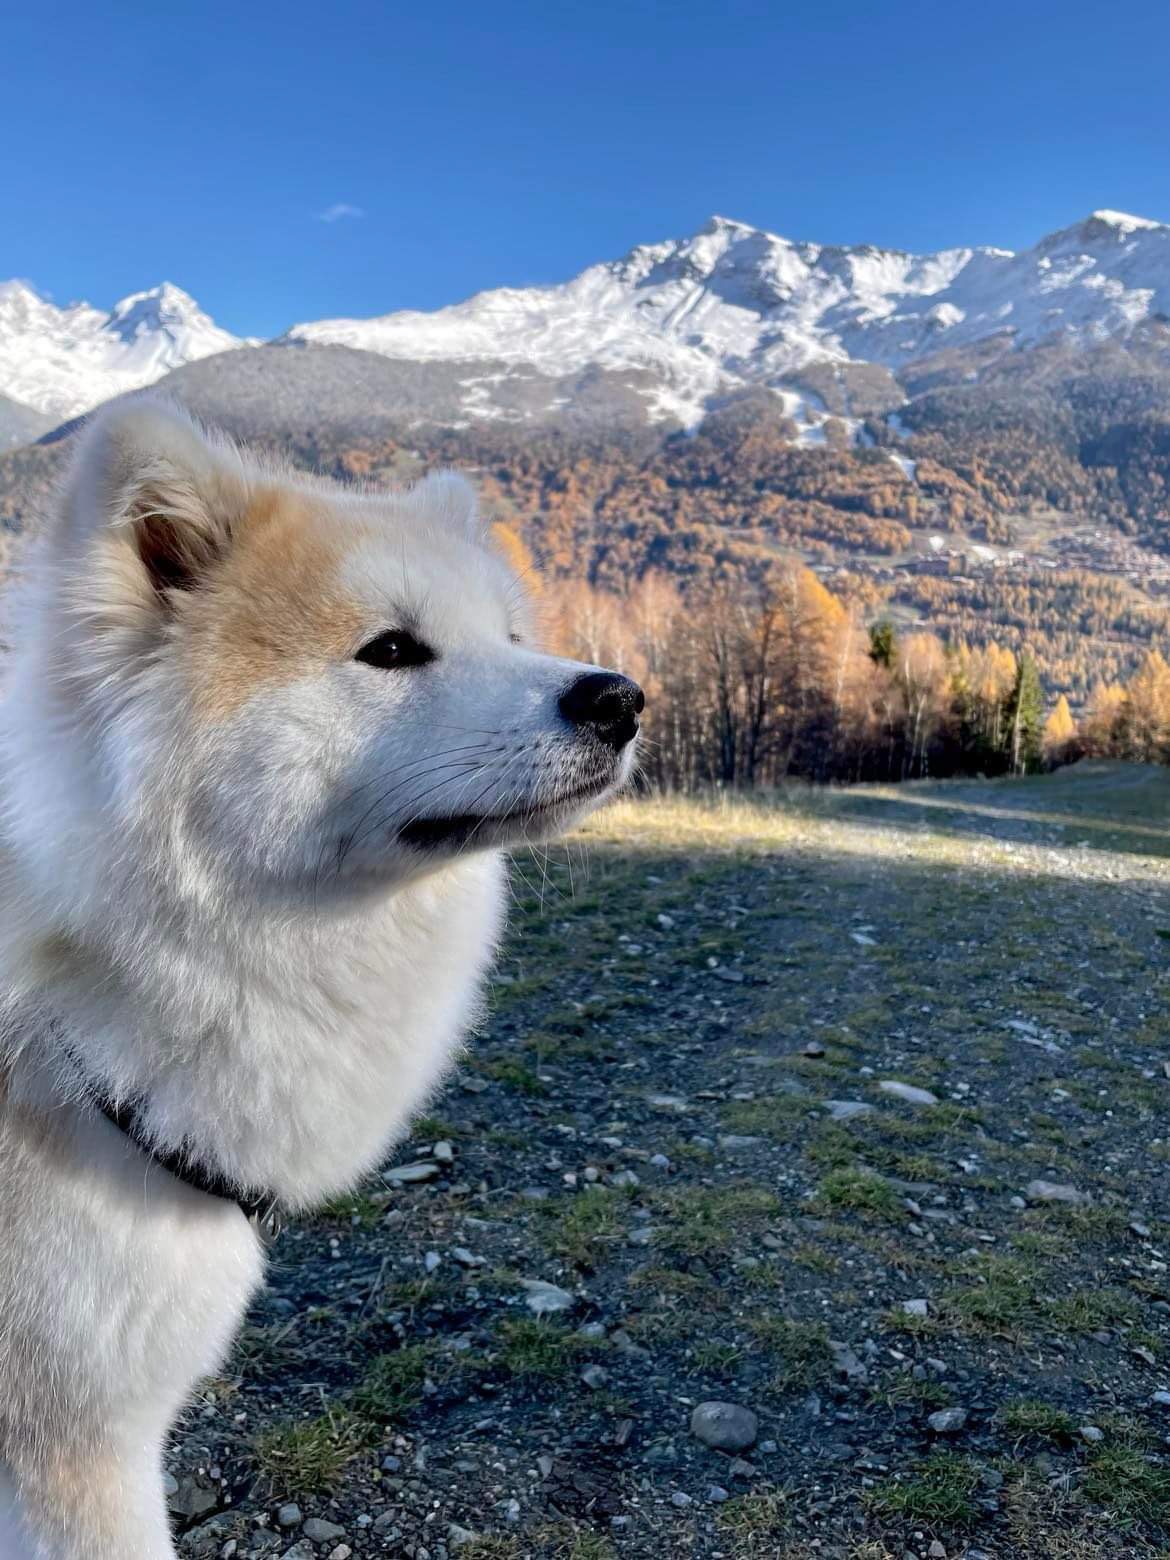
<point x="301" y="685"/>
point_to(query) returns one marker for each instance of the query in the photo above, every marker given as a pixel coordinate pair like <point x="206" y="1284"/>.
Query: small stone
<point x="1091" y="1433"/>
<point x="724" y="973"/>
<point x="545" y="1299"/>
<point x="466" y="1258"/>
<point x="725" y="1427"/>
<point x="1053" y="1192"/>
<point x="391" y="1464"/>
<point x="431" y="1261"/>
<point x="443" y="1152"/>
<point x="814" y="1048"/>
<point x="731" y="1141"/>
<point x="716" y="1494"/>
<point x="321" y="1531"/>
<point x="594" y="1377"/>
<point x="1142" y="1231"/>
<point x="342" y="1552"/>
<point x="907" y="1092"/>
<point x="666" y="922"/>
<point x="1160" y="1399"/>
<point x="624" y="1178"/>
<point x="458" y="1537"/>
<point x="845" y="1110"/>
<point x="937" y="1551"/>
<point x="404" y="1175"/>
<point x="947" y="1421"/>
<point x="289" y="1515"/>
<point x="915" y="1307"/>
<point x="680" y="1498"/>
<point x="170" y="1485"/>
<point x="660" y="1161"/>
<point x="674" y="1103"/>
<point x="473" y="1085"/>
<point x="301" y="1550"/>
<point x="593" y="1331"/>
<point x="846" y="1363"/>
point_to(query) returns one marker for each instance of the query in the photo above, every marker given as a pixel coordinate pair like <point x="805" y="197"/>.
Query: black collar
<point x="259" y="1208"/>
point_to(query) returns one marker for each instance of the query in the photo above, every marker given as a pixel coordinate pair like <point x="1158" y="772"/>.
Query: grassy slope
<point x="1001" y="945"/>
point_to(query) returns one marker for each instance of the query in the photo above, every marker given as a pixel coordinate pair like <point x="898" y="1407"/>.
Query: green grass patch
<point x="305" y="1456"/>
<point x="858" y="1191"/>
<point x="940" y="1489"/>
<point x="1123" y="1481"/>
<point x="1033" y="1419"/>
<point x="532" y="1349"/>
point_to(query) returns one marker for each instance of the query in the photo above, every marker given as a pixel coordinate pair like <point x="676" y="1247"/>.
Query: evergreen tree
<point x="1025" y="722"/>
<point x="883" y="644"/>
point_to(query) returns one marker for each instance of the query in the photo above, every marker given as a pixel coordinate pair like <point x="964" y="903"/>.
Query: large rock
<point x="725" y="1427"/>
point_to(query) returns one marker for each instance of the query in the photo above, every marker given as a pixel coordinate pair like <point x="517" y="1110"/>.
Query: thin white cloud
<point x="339" y="211"/>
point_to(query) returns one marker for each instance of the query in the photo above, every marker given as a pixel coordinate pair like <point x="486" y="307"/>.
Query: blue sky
<point x="509" y="143"/>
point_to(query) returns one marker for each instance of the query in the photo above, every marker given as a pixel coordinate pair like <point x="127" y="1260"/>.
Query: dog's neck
<point x="283" y="1049"/>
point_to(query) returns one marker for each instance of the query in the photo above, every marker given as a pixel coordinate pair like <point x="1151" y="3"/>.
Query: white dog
<point x="263" y="743"/>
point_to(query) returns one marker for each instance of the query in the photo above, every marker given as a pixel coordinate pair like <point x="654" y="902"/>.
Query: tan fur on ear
<point x="146" y="467"/>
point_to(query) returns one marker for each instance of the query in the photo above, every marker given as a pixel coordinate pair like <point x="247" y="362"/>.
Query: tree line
<point x="747" y="688"/>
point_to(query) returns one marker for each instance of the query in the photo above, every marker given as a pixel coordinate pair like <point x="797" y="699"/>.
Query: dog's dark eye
<point x="513" y="639"/>
<point x="394" y="650"/>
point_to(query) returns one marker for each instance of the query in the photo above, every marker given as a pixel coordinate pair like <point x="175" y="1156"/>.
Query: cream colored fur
<point x="208" y="906"/>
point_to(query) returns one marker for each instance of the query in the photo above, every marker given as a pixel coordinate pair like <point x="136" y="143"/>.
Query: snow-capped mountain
<point x="667" y="330"/>
<point x="62" y="361"/>
<point x="734" y="305"/>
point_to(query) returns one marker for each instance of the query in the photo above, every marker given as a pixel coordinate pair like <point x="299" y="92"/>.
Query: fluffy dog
<point x="264" y="742"/>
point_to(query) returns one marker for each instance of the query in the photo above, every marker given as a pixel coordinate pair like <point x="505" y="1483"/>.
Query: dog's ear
<point x="446" y="498"/>
<point x="148" y="477"/>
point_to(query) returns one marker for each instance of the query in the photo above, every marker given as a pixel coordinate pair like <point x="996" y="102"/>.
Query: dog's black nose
<point x="607" y="702"/>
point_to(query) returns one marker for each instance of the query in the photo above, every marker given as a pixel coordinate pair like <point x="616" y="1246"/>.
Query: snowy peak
<point x="63" y="361"/>
<point x="682" y="322"/>
<point x="732" y="305"/>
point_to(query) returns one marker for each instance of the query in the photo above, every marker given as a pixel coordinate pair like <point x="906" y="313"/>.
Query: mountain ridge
<point x="727" y="308"/>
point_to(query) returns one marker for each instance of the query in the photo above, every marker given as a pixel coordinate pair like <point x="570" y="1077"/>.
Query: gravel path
<point x="848" y="1112"/>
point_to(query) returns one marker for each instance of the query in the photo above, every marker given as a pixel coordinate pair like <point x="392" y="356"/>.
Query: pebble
<point x="716" y="1494"/>
<point x="680" y="1498"/>
<point x="289" y="1515"/>
<point x="732" y="1141"/>
<point x="845" y="1110"/>
<point x="458" y="1536"/>
<point x="321" y="1531"/>
<point x="301" y="1550"/>
<point x="814" y="1048"/>
<point x="1091" y="1433"/>
<point x="545" y="1299"/>
<point x="467" y="1258"/>
<point x="915" y="1307"/>
<point x="431" y="1261"/>
<point x="725" y="1427"/>
<point x="1053" y="1192"/>
<point x="907" y="1092"/>
<point x="342" y="1552"/>
<point x="443" y="1152"/>
<point x="1160" y="1399"/>
<point x="594" y="1377"/>
<point x="947" y="1421"/>
<point x="403" y="1175"/>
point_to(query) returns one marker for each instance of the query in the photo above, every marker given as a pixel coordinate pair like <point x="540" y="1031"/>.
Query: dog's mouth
<point x="486" y="828"/>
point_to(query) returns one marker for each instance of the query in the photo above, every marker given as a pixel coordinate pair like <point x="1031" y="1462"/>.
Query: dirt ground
<point x="847" y="1109"/>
